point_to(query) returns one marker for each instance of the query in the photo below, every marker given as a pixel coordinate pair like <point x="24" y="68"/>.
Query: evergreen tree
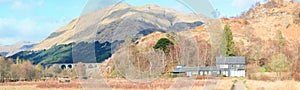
<point x="227" y="46"/>
<point x="162" y="44"/>
<point x="280" y="39"/>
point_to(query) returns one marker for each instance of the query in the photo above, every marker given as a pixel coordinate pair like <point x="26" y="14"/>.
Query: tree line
<point x="24" y="70"/>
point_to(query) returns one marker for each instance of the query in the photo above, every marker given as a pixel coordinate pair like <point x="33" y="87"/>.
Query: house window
<point x="242" y="66"/>
<point x="223" y="66"/>
<point x="201" y="73"/>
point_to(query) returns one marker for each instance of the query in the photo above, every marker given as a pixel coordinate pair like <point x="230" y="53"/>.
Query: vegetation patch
<point x="163" y="44"/>
<point x="63" y="53"/>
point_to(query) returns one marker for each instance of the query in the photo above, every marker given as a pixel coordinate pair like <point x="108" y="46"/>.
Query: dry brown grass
<point x="224" y="84"/>
<point x="123" y="84"/>
<point x="33" y="87"/>
<point x="297" y="77"/>
<point x="115" y="84"/>
<point x="276" y="85"/>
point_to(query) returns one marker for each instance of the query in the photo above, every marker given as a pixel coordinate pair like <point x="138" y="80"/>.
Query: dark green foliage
<point x="103" y="51"/>
<point x="85" y="52"/>
<point x="56" y="54"/>
<point x="227" y="45"/>
<point x="162" y="44"/>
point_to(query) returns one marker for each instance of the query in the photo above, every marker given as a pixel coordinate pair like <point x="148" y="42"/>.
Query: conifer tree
<point x="227" y="46"/>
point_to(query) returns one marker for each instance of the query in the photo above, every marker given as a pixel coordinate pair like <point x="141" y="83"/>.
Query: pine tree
<point x="227" y="46"/>
<point x="280" y="39"/>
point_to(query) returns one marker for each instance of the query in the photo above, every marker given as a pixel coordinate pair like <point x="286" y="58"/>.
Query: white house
<point x="228" y="66"/>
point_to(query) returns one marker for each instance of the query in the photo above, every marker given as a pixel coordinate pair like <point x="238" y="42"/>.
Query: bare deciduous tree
<point x="80" y="69"/>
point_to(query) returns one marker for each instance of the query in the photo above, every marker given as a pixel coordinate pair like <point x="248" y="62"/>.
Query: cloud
<point x="22" y="4"/>
<point x="7" y="41"/>
<point x="14" y="30"/>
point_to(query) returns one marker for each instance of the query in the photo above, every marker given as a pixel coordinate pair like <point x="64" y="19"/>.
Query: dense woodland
<point x="63" y="53"/>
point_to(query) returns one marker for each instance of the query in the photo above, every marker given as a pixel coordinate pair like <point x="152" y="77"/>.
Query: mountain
<point x="96" y="35"/>
<point x="254" y="35"/>
<point x="255" y="29"/>
<point x="63" y="53"/>
<point x="119" y="21"/>
<point x="14" y="48"/>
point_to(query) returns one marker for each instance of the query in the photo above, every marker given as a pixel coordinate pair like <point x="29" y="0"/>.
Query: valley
<point x="122" y="46"/>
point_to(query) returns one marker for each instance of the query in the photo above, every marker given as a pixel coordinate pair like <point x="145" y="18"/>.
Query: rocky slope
<point x="119" y="21"/>
<point x="254" y="35"/>
<point x="255" y="30"/>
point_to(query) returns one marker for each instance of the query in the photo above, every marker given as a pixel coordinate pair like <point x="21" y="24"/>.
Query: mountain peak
<point x="16" y="47"/>
<point x="133" y="21"/>
<point x="122" y="5"/>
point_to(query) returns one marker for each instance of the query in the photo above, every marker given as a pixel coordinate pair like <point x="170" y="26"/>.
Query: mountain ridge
<point x="7" y="50"/>
<point x="109" y="21"/>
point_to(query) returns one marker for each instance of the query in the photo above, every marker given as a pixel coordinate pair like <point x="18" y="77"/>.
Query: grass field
<point x="160" y="84"/>
<point x="33" y="87"/>
<point x="115" y="84"/>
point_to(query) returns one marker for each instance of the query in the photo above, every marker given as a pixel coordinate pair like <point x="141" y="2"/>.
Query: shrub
<point x="296" y="77"/>
<point x="253" y="77"/>
<point x="264" y="69"/>
<point x="265" y="78"/>
<point x="279" y="63"/>
<point x="261" y="76"/>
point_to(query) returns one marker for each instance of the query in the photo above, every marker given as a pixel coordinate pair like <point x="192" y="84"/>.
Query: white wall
<point x="237" y="73"/>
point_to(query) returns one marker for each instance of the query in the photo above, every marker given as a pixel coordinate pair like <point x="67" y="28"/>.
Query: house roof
<point x="187" y="69"/>
<point x="230" y="60"/>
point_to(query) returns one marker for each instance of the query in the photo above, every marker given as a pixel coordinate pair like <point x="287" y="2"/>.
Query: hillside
<point x="255" y="30"/>
<point x="63" y="53"/>
<point x="253" y="33"/>
<point x="191" y="48"/>
<point x="119" y="21"/>
<point x="109" y="26"/>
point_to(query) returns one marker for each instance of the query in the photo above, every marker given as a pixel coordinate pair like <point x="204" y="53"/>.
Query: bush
<point x="262" y="77"/>
<point x="265" y="78"/>
<point x="264" y="69"/>
<point x="253" y="77"/>
<point x="297" y="77"/>
<point x="224" y="76"/>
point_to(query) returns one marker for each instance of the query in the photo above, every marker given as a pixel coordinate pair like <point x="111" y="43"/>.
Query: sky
<point x="34" y="20"/>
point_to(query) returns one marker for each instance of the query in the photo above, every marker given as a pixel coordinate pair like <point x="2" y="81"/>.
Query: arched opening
<point x="90" y="66"/>
<point x="63" y="66"/>
<point x="70" y="66"/>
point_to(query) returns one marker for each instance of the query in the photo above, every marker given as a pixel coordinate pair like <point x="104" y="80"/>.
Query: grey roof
<point x="230" y="60"/>
<point x="187" y="69"/>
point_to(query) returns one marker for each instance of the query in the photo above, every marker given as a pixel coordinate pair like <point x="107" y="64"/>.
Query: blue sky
<point x="34" y="20"/>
